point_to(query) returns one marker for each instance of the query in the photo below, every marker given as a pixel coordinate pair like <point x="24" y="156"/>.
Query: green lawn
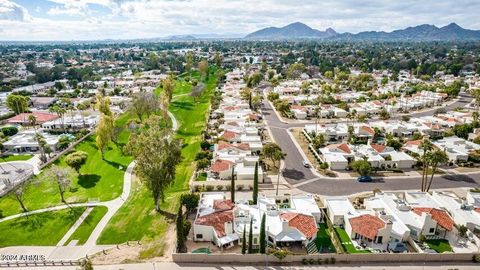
<point x="44" y="229"/>
<point x="137" y="219"/>
<point x="439" y="245"/>
<point x="323" y="241"/>
<point x="202" y="177"/>
<point x="100" y="180"/>
<point x="88" y="225"/>
<point x="15" y="158"/>
<point x="347" y="242"/>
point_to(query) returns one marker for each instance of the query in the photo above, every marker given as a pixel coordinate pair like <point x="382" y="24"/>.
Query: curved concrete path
<point x="90" y="247"/>
<point x="112" y="205"/>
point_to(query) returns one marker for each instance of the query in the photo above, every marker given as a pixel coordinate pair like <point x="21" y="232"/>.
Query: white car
<point x="306" y="164"/>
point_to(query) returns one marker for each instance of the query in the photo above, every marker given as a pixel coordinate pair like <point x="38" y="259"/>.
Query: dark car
<point x="364" y="178"/>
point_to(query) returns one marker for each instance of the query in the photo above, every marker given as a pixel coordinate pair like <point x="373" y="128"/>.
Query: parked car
<point x="364" y="178"/>
<point x="306" y="164"/>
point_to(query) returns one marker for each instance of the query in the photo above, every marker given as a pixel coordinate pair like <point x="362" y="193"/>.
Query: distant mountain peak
<point x="294" y="30"/>
<point x="453" y="26"/>
<point x="299" y="30"/>
<point x="330" y="30"/>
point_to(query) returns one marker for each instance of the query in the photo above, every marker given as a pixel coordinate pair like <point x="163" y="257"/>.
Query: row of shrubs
<point x="323" y="166"/>
<point x="202" y="188"/>
<point x="319" y="261"/>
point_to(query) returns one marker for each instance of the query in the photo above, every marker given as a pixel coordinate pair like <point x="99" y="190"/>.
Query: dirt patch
<point x="302" y="141"/>
<point x="121" y="254"/>
<point x="138" y="252"/>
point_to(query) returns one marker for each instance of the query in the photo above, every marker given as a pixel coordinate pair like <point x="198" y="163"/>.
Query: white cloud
<point x="155" y="18"/>
<point x="10" y="11"/>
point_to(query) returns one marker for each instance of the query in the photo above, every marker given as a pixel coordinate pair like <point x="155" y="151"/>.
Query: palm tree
<point x="426" y="145"/>
<point x="82" y="107"/>
<point x="42" y="144"/>
<point x="435" y="158"/>
<point x="32" y="120"/>
<point x="60" y="112"/>
<point x="353" y="115"/>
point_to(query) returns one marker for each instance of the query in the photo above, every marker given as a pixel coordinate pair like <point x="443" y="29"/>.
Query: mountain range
<point x="422" y="32"/>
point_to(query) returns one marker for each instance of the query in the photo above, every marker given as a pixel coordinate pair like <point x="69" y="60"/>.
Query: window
<point x="255" y="241"/>
<point x="432" y="230"/>
<point x="199" y="236"/>
<point x="380" y="239"/>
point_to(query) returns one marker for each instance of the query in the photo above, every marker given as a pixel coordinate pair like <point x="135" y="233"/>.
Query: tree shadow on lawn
<point x="167" y="215"/>
<point x="181" y="132"/>
<point x="88" y="180"/>
<point x="37" y="221"/>
<point x="185" y="105"/>
<point x="116" y="165"/>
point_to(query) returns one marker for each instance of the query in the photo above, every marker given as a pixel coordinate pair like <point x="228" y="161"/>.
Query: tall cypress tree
<point x="262" y="236"/>
<point x="255" y="184"/>
<point x="180" y="230"/>
<point x="244" y="241"/>
<point x="232" y="186"/>
<point x="250" y="238"/>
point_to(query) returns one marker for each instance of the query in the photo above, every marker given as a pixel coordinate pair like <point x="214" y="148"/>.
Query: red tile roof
<point x="224" y="145"/>
<point x="440" y="216"/>
<point x="379" y="148"/>
<point x="416" y="142"/>
<point x="305" y="224"/>
<point x="243" y="146"/>
<point x="432" y="126"/>
<point x="40" y="116"/>
<point x="368" y="129"/>
<point x="298" y="107"/>
<point x="229" y="135"/>
<point x="367" y="225"/>
<point x="235" y="124"/>
<point x="222" y="205"/>
<point x="229" y="108"/>
<point x="216" y="220"/>
<point x="477" y="210"/>
<point x="220" y="165"/>
<point x="253" y="117"/>
<point x="342" y="146"/>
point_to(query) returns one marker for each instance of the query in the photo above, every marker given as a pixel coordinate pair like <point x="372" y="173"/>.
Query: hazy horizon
<point x="86" y="20"/>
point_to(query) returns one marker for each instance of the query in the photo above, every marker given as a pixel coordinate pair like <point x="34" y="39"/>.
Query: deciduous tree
<point x="76" y="160"/>
<point x="17" y="191"/>
<point x="363" y="167"/>
<point x="17" y="103"/>
<point x="104" y="133"/>
<point x="62" y="177"/>
<point x="157" y="154"/>
<point x="274" y="153"/>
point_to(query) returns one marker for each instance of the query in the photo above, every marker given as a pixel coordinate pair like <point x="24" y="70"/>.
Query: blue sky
<point x="123" y="19"/>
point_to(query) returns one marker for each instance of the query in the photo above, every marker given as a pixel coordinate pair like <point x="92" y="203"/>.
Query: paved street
<point x="295" y="174"/>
